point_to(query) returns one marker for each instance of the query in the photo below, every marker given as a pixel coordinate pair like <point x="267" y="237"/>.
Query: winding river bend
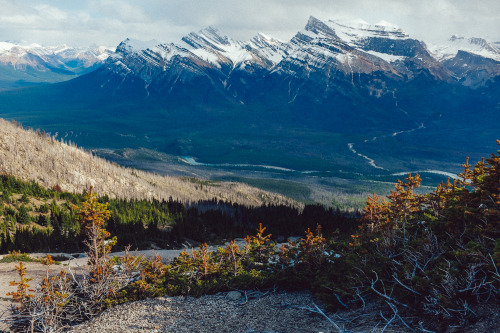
<point x="371" y="161"/>
<point x="191" y="161"/>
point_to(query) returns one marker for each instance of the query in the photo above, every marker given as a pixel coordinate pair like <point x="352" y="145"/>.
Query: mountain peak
<point x="261" y="40"/>
<point x="387" y="25"/>
<point x="209" y="37"/>
<point x="353" y="31"/>
<point x="319" y="27"/>
<point x="214" y="35"/>
<point x="135" y="45"/>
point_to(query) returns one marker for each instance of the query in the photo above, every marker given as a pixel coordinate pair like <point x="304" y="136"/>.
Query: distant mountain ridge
<point x="22" y="65"/>
<point x="353" y="47"/>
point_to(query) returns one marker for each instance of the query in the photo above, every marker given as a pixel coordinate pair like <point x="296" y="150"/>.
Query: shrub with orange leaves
<point x="312" y="248"/>
<point x="92" y="215"/>
<point x="259" y="248"/>
<point x="62" y="299"/>
<point x="21" y="295"/>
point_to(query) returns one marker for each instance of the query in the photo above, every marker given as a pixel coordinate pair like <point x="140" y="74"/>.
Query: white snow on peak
<point x="354" y="31"/>
<point x="63" y="50"/>
<point x="6" y="46"/>
<point x="387" y="25"/>
<point x="352" y="22"/>
<point x="213" y="35"/>
<point x="207" y="56"/>
<point x="262" y="40"/>
<point x="135" y="45"/>
<point x="209" y="45"/>
<point x="60" y="56"/>
<point x="478" y="46"/>
<point x="269" y="47"/>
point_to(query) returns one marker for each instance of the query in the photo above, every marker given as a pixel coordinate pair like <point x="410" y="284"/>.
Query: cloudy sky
<point x="107" y="22"/>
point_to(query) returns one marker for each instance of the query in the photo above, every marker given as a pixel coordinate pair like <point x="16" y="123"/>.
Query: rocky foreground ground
<point x="277" y="312"/>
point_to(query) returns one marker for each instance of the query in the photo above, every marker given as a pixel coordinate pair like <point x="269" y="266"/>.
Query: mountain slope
<point x="474" y="61"/>
<point x="31" y="155"/>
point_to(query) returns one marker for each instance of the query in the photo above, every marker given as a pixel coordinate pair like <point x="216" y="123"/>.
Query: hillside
<point x="33" y="156"/>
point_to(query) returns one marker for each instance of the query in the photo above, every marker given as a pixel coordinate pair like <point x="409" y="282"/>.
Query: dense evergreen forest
<point x="35" y="219"/>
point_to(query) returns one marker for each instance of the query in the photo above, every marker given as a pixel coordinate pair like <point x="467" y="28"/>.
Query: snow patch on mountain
<point x="386" y="57"/>
<point x="207" y="56"/>
<point x="269" y="47"/>
<point x="345" y="46"/>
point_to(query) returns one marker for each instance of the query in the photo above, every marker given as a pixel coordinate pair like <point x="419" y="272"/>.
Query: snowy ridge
<point x="318" y="43"/>
<point x="477" y="46"/>
<point x="354" y="32"/>
<point x="386" y="57"/>
<point x="210" y="45"/>
<point x="271" y="48"/>
<point x="37" y="56"/>
<point x="133" y="45"/>
<point x="333" y="46"/>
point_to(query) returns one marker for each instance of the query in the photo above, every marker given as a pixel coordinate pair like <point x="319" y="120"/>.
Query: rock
<point x="233" y="295"/>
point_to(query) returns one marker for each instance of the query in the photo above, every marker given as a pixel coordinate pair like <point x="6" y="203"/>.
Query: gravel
<point x="278" y="312"/>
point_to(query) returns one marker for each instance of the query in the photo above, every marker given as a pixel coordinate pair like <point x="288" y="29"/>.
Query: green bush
<point x="17" y="256"/>
<point x="23" y="216"/>
<point x="25" y="199"/>
<point x="44" y="209"/>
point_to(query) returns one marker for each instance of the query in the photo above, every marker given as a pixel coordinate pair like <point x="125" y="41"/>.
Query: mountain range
<point x="343" y="97"/>
<point x="24" y="65"/>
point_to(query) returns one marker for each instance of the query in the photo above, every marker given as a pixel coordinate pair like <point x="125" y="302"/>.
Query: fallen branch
<point x="385" y="295"/>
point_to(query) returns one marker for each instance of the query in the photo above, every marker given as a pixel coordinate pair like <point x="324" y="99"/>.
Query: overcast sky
<point x="107" y="22"/>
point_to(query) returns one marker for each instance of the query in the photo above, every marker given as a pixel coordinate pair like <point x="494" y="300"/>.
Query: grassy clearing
<point x="292" y="189"/>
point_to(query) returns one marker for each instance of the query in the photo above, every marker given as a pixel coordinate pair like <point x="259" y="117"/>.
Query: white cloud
<point x="108" y="22"/>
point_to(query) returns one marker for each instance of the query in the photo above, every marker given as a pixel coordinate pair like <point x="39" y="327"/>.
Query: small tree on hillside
<point x="92" y="216"/>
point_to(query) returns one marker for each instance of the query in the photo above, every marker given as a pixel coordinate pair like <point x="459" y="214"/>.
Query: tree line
<point x="36" y="219"/>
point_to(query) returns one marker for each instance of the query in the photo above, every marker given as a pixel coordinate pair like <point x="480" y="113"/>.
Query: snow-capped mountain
<point x="328" y="67"/>
<point x="323" y="48"/>
<point x="339" y="47"/>
<point x="326" y="53"/>
<point x="26" y="64"/>
<point x="473" y="61"/>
